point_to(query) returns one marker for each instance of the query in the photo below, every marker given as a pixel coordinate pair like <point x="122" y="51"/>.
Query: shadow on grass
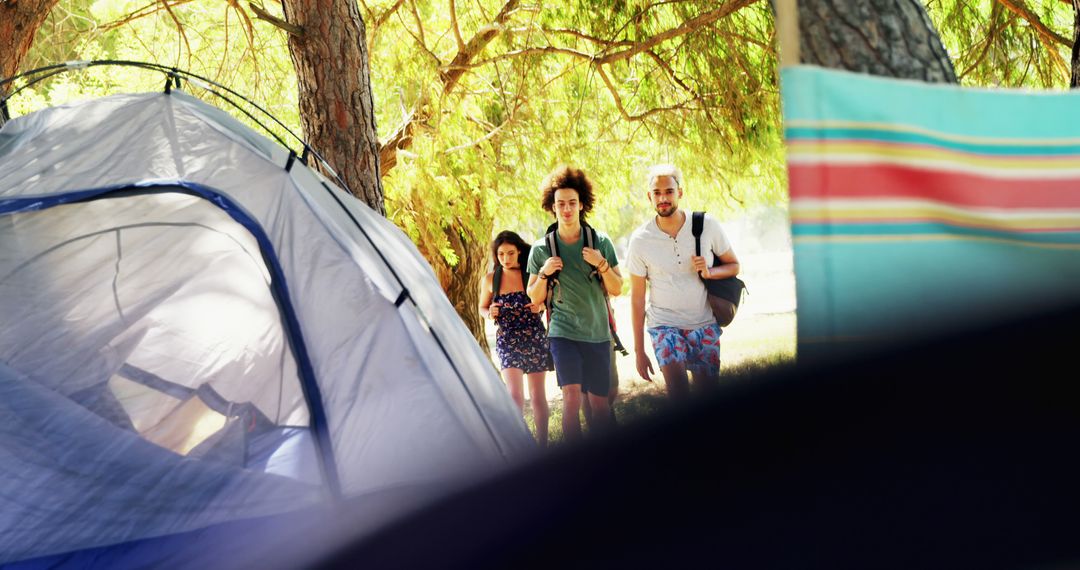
<point x="639" y="401"/>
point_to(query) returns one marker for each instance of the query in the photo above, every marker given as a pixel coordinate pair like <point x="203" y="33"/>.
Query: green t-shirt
<point x="578" y="308"/>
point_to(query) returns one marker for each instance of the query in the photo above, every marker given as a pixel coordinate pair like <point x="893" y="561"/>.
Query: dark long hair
<point x="507" y="236"/>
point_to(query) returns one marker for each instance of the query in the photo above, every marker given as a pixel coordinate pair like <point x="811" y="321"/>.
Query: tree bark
<point x="1074" y="79"/>
<point x="337" y="110"/>
<point x="891" y="38"/>
<point x="19" y="23"/>
<point x="461" y="282"/>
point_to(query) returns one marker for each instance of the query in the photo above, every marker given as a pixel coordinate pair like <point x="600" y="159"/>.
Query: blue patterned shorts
<point x="699" y="349"/>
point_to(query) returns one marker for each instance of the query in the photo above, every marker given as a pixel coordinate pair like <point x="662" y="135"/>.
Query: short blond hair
<point x="658" y="170"/>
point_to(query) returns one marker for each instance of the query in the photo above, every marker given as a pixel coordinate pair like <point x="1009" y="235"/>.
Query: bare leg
<point x="571" y="403"/>
<point x="601" y="413"/>
<point x="513" y="379"/>
<point x="706" y="382"/>
<point x="614" y="393"/>
<point x="678" y="384"/>
<point x="538" y="398"/>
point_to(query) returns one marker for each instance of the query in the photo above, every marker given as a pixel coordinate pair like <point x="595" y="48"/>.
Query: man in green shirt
<point x="579" y="332"/>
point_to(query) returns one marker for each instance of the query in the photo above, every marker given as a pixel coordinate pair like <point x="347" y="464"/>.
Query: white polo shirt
<point x="677" y="297"/>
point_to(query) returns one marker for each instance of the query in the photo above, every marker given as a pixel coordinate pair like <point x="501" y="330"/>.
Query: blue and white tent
<point x="197" y="329"/>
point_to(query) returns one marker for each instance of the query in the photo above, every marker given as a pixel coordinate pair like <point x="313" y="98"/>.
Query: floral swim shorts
<point x="699" y="349"/>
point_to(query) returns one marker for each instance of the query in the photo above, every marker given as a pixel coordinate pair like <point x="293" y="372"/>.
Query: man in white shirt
<point x="684" y="332"/>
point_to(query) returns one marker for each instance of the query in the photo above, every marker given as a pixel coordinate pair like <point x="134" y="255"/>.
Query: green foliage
<point x="208" y="38"/>
<point x="539" y="94"/>
<point x="707" y="100"/>
<point x="992" y="46"/>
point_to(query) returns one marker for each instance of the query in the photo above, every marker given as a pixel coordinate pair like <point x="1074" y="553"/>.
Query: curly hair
<point x="507" y="236"/>
<point x="567" y="177"/>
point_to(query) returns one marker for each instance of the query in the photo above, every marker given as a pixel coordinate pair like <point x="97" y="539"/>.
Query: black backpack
<point x="552" y="240"/>
<point x="724" y="294"/>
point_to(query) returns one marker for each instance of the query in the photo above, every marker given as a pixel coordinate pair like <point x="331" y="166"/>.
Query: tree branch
<point x="378" y="21"/>
<point x="575" y="33"/>
<point x="179" y="26"/>
<point x="382" y="18"/>
<point x="675" y="78"/>
<point x="476" y="45"/>
<point x="265" y="16"/>
<point x="249" y="29"/>
<point x="486" y="137"/>
<point x="641" y="116"/>
<point x="1020" y="9"/>
<point x="420" y="38"/>
<point x="995" y="25"/>
<point x="520" y="53"/>
<point x="1045" y="34"/>
<point x="454" y="26"/>
<point x="419" y="26"/>
<point x="689" y="26"/>
<point x="666" y="67"/>
<point x="763" y="45"/>
<point x="450" y="74"/>
<point x="147" y="10"/>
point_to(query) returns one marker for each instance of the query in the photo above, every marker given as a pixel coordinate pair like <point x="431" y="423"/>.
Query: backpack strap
<point x="590" y="242"/>
<point x="552" y="241"/>
<point x="496" y="280"/>
<point x="697" y="223"/>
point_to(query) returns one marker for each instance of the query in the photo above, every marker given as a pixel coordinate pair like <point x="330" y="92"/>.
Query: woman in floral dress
<point x="521" y="342"/>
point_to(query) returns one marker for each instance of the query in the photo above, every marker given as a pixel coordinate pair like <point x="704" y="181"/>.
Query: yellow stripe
<point x="892" y="127"/>
<point x="811" y="149"/>
<point x="839" y="239"/>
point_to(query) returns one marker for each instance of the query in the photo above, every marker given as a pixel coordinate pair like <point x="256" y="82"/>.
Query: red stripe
<point x="892" y="181"/>
<point x="933" y="220"/>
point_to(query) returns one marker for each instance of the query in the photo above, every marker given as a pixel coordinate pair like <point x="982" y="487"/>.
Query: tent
<point x="199" y="329"/>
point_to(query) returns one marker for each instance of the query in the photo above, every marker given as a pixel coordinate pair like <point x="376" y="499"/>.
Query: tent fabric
<point x="185" y="306"/>
<point x="918" y="208"/>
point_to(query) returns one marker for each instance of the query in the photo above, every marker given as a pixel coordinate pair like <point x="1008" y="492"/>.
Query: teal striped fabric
<point x="919" y="208"/>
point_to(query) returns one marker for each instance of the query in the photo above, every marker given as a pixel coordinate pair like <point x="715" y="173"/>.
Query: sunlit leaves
<point x="1006" y="44"/>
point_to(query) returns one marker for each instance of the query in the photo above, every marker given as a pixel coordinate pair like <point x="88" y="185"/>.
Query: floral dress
<point x="521" y="341"/>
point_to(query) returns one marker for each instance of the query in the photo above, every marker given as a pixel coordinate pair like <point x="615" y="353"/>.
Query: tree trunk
<point x="1074" y="79"/>
<point x="462" y="282"/>
<point x="337" y="110"/>
<point x="19" y="23"/>
<point x="891" y="38"/>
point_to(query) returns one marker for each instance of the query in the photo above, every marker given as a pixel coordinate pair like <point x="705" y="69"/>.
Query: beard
<point x="664" y="213"/>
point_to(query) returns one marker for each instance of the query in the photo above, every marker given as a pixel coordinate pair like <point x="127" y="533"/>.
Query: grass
<point x="752" y="345"/>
